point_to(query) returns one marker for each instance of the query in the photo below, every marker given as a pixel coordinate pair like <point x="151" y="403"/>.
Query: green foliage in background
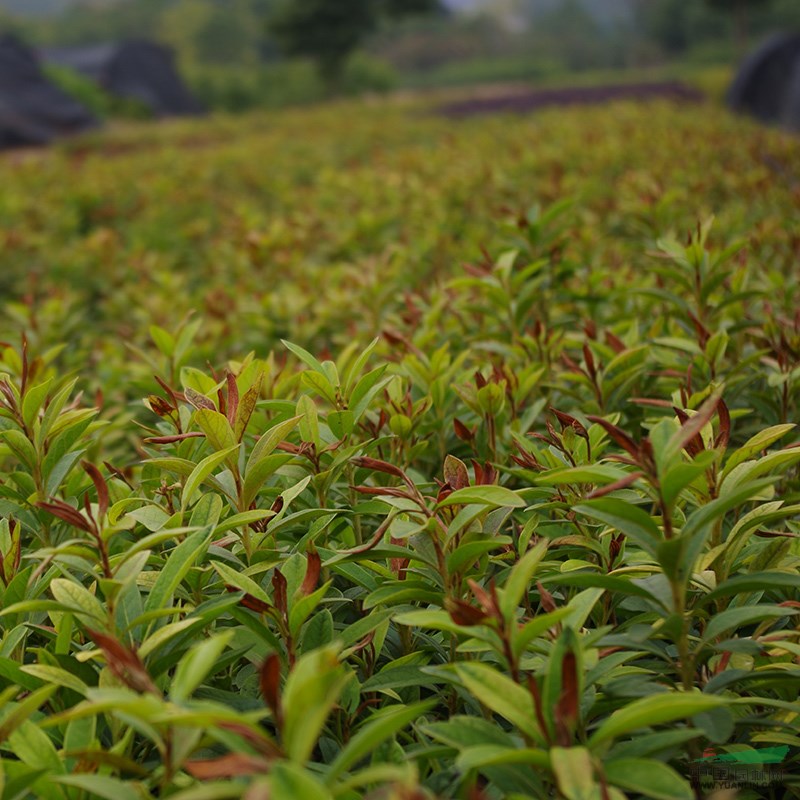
<point x="328" y="33"/>
<point x="287" y="83"/>
<point x="232" y="51"/>
<point x="356" y="453"/>
<point x="95" y="98"/>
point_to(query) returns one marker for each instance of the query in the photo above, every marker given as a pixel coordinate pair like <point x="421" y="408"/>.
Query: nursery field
<point x="358" y="452"/>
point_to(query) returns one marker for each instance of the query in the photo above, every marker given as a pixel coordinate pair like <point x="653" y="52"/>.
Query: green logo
<point x="763" y="755"/>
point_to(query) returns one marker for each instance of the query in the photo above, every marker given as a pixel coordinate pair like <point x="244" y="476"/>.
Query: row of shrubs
<point x="512" y="511"/>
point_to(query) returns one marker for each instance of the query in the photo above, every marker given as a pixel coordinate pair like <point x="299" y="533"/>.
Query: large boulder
<point x="134" y="70"/>
<point x="33" y="111"/>
<point x="767" y="85"/>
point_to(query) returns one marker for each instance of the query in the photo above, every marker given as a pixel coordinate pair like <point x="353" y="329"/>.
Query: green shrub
<point x="511" y="512"/>
<point x="272" y="86"/>
<point x="285" y="84"/>
<point x="364" y="74"/>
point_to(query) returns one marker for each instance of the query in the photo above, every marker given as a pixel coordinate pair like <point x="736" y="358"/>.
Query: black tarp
<point x="767" y="85"/>
<point x="33" y="111"/>
<point x="136" y="70"/>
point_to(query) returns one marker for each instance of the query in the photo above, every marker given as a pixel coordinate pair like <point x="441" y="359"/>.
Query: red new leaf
<point x="100" y="486"/>
<point x="313" y="567"/>
<point x="269" y="681"/>
<point x="232" y="765"/>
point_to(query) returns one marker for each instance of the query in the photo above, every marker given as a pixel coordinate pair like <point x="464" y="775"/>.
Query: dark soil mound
<point x="584" y="95"/>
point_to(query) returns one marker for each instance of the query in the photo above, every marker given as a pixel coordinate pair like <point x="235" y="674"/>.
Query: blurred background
<point x="237" y="55"/>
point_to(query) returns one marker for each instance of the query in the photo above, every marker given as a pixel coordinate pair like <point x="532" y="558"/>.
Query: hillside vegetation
<point x="353" y="452"/>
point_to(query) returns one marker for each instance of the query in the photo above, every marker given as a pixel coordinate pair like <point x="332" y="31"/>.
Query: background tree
<point x="328" y="32"/>
<point x="740" y="12"/>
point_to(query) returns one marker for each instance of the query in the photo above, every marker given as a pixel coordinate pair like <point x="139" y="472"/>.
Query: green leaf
<point x="497" y="496"/>
<point x="501" y="695"/>
<point x="60" y="470"/>
<point x="54" y="408"/>
<point x="699" y="421"/>
<point x="717" y="725"/>
<point x="197" y="381"/>
<point x="20" y="446"/>
<point x="754" y="582"/>
<point x="165" y="634"/>
<point x="79" y="735"/>
<point x="321" y="386"/>
<point x="309" y="424"/>
<point x="196" y="665"/>
<point x="461" y="732"/>
<point x="33" y="401"/>
<point x="303" y="607"/>
<point x="492" y="755"/>
<point x="31" y="745"/>
<point x="56" y="676"/>
<point x="207" y="511"/>
<point x="341" y="423"/>
<point x="434" y="619"/>
<point x="680" y="555"/>
<point x="241" y="581"/>
<point x="180" y="561"/>
<point x="761" y="441"/>
<point x="318" y="632"/>
<point x="649" y="778"/>
<point x="257" y="473"/>
<point x="773" y="464"/>
<point x="76" y="598"/>
<point x="532" y="630"/>
<point x="100" y="786"/>
<point x="393" y="677"/>
<point x="580" y="607"/>
<point x="732" y="618"/>
<point x="612" y="583"/>
<point x="363" y="627"/>
<point x="289" y="781"/>
<point x="519" y="579"/>
<point x="154" y="518"/>
<point x="354" y="372"/>
<point x="28" y="606"/>
<point x="11" y="672"/>
<point x="311" y="691"/>
<point x="211" y="790"/>
<point x="305" y="357"/>
<point x="592" y="473"/>
<point x="467" y="555"/>
<point x="652" y="744"/>
<point x="163" y="340"/>
<point x="381" y="726"/>
<point x="626" y="518"/>
<point x="366" y="390"/>
<point x="202" y="471"/>
<point x="574" y="773"/>
<point x="654" y="710"/>
<point x="62" y="452"/>
<point x="217" y="429"/>
<point x="243" y="520"/>
<point x="376" y="774"/>
<point x="247" y="405"/>
<point x="16" y="714"/>
<point x="681" y="475"/>
<point x="270" y="440"/>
